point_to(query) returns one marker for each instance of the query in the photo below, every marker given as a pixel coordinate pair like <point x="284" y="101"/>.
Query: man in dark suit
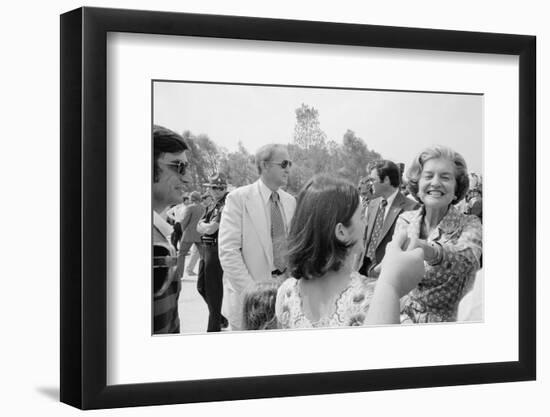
<point x="188" y="224"/>
<point x="384" y="208"/>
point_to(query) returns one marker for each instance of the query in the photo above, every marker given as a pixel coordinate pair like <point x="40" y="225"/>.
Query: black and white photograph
<point x="318" y="204"/>
<point x="280" y="207"/>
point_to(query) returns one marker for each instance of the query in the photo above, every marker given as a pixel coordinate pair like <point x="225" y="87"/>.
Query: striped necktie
<point x="278" y="236"/>
<point x="364" y="205"/>
<point x="375" y="236"/>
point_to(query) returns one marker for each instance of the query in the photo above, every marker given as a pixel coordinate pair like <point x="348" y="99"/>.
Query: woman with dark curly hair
<point x="450" y="240"/>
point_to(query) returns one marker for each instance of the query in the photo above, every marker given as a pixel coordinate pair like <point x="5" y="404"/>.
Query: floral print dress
<point x="436" y="297"/>
<point x="350" y="307"/>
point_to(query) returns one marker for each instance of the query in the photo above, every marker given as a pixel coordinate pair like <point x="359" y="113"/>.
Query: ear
<point x="264" y="165"/>
<point x="342" y="233"/>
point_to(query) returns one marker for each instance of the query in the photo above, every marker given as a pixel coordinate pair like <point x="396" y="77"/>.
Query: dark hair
<point x="386" y="168"/>
<point x="165" y="141"/>
<point x="259" y="306"/>
<point x="439" y="152"/>
<point x="313" y="248"/>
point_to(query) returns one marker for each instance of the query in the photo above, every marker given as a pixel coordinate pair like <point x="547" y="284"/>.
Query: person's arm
<point x="171" y="215"/>
<point x="204" y="227"/>
<point x="401" y="271"/>
<point x="230" y="244"/>
<point x="455" y="265"/>
<point x="279" y="306"/>
<point x="462" y="253"/>
<point x="200" y="228"/>
<point x="384" y="306"/>
<point x="207" y="228"/>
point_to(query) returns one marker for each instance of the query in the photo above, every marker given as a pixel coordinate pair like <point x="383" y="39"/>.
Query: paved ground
<point x="192" y="308"/>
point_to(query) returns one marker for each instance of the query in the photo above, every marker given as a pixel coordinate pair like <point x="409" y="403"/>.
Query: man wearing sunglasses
<point x="209" y="282"/>
<point x="254" y="229"/>
<point x="170" y="178"/>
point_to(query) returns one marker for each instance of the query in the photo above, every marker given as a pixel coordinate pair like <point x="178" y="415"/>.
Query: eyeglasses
<point x="217" y="188"/>
<point x="179" y="166"/>
<point x="284" y="164"/>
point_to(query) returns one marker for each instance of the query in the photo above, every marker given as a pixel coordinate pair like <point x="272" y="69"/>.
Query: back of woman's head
<point x="313" y="248"/>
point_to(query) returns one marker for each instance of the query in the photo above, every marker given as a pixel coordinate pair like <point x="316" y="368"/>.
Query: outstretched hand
<point x="430" y="253"/>
<point x="403" y="264"/>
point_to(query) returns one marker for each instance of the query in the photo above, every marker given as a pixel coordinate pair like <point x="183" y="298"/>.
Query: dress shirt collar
<point x="391" y="198"/>
<point x="266" y="192"/>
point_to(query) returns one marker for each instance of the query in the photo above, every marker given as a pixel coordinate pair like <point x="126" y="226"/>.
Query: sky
<point x="396" y="124"/>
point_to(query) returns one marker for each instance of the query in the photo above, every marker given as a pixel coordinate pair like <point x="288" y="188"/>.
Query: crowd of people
<point x="392" y="249"/>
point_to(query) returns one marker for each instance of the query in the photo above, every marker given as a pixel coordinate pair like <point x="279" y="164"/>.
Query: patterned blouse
<point x="350" y="307"/>
<point x="436" y="297"/>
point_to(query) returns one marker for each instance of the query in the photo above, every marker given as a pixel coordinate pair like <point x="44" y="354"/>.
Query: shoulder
<point x="408" y="204"/>
<point x="410" y="214"/>
<point x="242" y="192"/>
<point x="458" y="224"/>
<point x="471" y="221"/>
<point x="457" y="218"/>
<point x="238" y="195"/>
<point x="361" y="283"/>
<point x="287" y="288"/>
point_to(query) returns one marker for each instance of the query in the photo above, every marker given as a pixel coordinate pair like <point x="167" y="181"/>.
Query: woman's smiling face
<point x="437" y="184"/>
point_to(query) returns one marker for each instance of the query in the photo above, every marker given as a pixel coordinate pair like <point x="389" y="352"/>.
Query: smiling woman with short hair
<point x="451" y="241"/>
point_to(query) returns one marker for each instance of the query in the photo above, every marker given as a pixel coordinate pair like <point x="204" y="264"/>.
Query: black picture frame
<point x="84" y="207"/>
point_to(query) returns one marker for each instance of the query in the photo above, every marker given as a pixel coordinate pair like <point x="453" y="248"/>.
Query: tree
<point x="309" y="149"/>
<point x="239" y="167"/>
<point x="356" y="155"/>
<point x="203" y="156"/>
<point x="307" y="131"/>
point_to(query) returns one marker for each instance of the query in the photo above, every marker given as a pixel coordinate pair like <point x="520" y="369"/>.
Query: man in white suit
<point x="253" y="230"/>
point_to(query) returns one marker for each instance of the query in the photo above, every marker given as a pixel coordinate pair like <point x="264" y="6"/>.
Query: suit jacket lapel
<point x="255" y="207"/>
<point x="394" y="211"/>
